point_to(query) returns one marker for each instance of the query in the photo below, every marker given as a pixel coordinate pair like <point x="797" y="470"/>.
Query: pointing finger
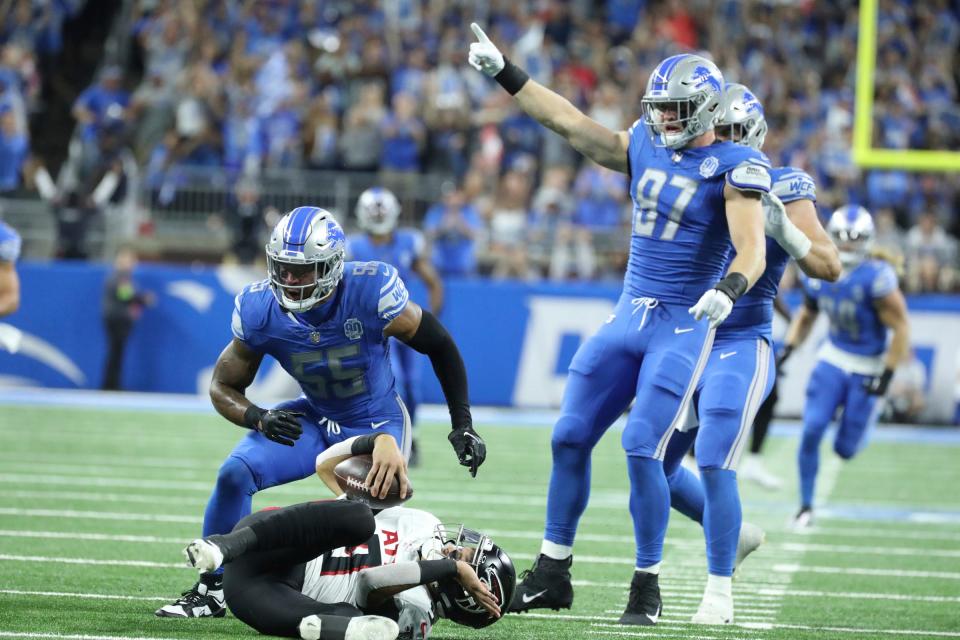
<point x="477" y="31"/>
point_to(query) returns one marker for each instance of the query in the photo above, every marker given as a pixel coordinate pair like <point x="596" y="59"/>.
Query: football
<point x="352" y="477"/>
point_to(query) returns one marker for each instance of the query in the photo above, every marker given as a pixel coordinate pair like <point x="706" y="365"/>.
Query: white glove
<point x="777" y="225"/>
<point x="715" y="305"/>
<point x="484" y="55"/>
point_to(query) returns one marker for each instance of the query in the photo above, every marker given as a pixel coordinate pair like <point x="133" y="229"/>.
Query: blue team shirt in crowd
<point x="454" y="254"/>
<point x="99" y="100"/>
<point x="9" y="243"/>
<point x="752" y="315"/>
<point x="855" y="325"/>
<point x="680" y="243"/>
<point x="337" y="351"/>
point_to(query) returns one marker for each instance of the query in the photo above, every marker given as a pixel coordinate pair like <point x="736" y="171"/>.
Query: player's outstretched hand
<point x="387" y="462"/>
<point x="484" y="55"/>
<point x="468" y="579"/>
<point x="470" y="447"/>
<point x="714" y="305"/>
<point x="281" y="426"/>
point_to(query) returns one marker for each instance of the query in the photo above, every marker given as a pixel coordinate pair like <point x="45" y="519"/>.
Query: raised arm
<point x="600" y="144"/>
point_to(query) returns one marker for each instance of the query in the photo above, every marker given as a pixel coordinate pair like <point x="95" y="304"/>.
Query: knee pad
<point x="572" y="432"/>
<point x="234" y="475"/>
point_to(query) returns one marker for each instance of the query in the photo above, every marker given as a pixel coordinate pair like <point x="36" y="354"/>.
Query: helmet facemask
<point x="681" y="100"/>
<point x="740" y="118"/>
<point x="300" y="284"/>
<point x="851" y="229"/>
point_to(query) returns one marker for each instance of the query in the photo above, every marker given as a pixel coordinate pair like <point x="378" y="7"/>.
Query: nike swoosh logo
<point x="653" y="618"/>
<point x="678" y="330"/>
<point x="528" y="599"/>
<point x="377" y="425"/>
<point x="724" y="356"/>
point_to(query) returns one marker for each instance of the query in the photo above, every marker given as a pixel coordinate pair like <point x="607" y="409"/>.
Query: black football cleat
<point x="202" y="600"/>
<point x="546" y="585"/>
<point x="644" y="605"/>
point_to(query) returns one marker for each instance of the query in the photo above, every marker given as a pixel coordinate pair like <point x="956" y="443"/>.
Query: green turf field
<point x="96" y="506"/>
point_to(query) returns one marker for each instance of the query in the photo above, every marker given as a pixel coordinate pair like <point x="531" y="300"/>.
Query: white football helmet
<point x="851" y="227"/>
<point x="681" y="99"/>
<point x="305" y="257"/>
<point x="378" y="211"/>
<point x="740" y="117"/>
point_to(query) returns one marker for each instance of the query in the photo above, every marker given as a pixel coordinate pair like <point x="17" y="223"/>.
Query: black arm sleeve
<point x="434" y="341"/>
<point x="810" y="303"/>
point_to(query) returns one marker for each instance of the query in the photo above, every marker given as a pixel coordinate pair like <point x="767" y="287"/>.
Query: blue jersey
<point x="9" y="243"/>
<point x="403" y="249"/>
<point x="855" y="326"/>
<point x="752" y="315"/>
<point x="680" y="243"/>
<point x="337" y="350"/>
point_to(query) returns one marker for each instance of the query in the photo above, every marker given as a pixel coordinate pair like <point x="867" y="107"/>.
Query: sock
<point x="568" y="493"/>
<point x="556" y="551"/>
<point x="721" y="519"/>
<point x="649" y="507"/>
<point x="686" y="493"/>
<point x="232" y="497"/>
<point x="719" y="586"/>
<point x="234" y="544"/>
<point x="213" y="581"/>
<point x="808" y="461"/>
<point x="654" y="569"/>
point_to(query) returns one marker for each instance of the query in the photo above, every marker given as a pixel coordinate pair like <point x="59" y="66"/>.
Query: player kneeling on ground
<point x="331" y="570"/>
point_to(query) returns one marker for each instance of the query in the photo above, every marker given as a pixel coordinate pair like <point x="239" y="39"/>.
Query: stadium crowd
<point x="366" y="86"/>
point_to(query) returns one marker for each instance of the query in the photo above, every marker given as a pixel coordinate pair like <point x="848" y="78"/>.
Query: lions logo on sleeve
<point x="10" y="243"/>
<point x="884" y="281"/>
<point x="393" y="295"/>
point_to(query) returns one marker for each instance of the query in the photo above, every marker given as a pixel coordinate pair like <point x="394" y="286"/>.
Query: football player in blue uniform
<point x="327" y="323"/>
<point x="857" y="360"/>
<point x="377" y="214"/>
<point x="740" y="371"/>
<point x="692" y="195"/>
<point x="9" y="281"/>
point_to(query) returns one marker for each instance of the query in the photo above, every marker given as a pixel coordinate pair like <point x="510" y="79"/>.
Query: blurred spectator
<point x="888" y="234"/>
<point x="931" y="254"/>
<point x="245" y="217"/>
<point x="403" y="136"/>
<point x="10" y="244"/>
<point x="452" y="227"/>
<point x="106" y="98"/>
<point x="906" y="398"/>
<point x="73" y="212"/>
<point x="123" y="304"/>
<point x="509" y="220"/>
<point x="14" y="149"/>
<point x="321" y="133"/>
<point x="360" y="142"/>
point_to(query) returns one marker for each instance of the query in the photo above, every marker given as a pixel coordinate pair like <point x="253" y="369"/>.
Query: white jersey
<point x="400" y="533"/>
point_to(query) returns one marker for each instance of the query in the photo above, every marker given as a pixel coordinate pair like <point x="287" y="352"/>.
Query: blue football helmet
<point x="740" y="117"/>
<point x="305" y="257"/>
<point x="681" y="100"/>
<point x="851" y="227"/>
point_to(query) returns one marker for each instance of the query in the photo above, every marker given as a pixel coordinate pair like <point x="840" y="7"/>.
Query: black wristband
<point x="363" y="444"/>
<point x="511" y="77"/>
<point x="251" y="417"/>
<point x="886" y="376"/>
<point x="434" y="570"/>
<point x="734" y="285"/>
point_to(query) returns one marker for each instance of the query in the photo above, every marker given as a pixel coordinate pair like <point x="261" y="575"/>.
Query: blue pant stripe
<point x="688" y="394"/>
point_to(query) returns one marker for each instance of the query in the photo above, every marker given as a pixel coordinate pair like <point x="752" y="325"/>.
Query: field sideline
<point x="98" y="502"/>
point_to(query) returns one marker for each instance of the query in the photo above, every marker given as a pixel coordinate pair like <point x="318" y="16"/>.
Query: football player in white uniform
<point x="330" y="570"/>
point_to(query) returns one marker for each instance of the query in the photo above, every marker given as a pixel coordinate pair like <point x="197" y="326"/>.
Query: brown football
<point x="352" y="477"/>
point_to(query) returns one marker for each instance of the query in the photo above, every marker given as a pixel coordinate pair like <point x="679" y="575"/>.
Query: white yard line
<point x="765" y="626"/>
<point x="98" y="515"/>
<point x="861" y="595"/>
<point x="71" y="636"/>
<point x="91" y="561"/>
<point x="855" y="571"/>
<point x="75" y="594"/>
<point x="105" y="537"/>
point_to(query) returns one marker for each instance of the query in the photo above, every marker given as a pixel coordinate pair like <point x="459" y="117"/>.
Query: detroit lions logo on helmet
<point x="702" y="75"/>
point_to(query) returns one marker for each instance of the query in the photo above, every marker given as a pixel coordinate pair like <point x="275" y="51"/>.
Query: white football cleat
<point x="751" y="537"/>
<point x="803" y="521"/>
<point x="753" y="470"/>
<point x="371" y="628"/>
<point x="310" y="628"/>
<point x="714" y="609"/>
<point x="203" y="555"/>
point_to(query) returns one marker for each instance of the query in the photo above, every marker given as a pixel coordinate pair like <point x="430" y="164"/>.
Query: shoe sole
<point x="160" y="613"/>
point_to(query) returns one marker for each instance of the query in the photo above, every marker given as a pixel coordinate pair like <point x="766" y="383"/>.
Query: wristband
<point x="733" y="285"/>
<point x="435" y="570"/>
<point x="511" y="77"/>
<point x="251" y="417"/>
<point x="886" y="376"/>
<point x="363" y="444"/>
<point x="795" y="242"/>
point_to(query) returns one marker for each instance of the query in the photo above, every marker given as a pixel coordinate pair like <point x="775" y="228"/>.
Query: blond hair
<point x="891" y="256"/>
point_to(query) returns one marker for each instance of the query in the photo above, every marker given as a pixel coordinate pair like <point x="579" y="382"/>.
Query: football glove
<point x="283" y="427"/>
<point x="484" y="55"/>
<point x="470" y="448"/>
<point x="715" y="305"/>
<point x="778" y="226"/>
<point x="877" y="385"/>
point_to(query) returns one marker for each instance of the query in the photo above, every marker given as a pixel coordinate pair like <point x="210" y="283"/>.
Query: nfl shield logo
<point x="709" y="167"/>
<point x="314" y="337"/>
<point x="353" y="329"/>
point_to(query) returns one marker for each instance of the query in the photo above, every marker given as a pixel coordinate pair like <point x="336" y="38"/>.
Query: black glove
<point x="877" y="385"/>
<point x="281" y="426"/>
<point x="470" y="448"/>
<point x="782" y="357"/>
